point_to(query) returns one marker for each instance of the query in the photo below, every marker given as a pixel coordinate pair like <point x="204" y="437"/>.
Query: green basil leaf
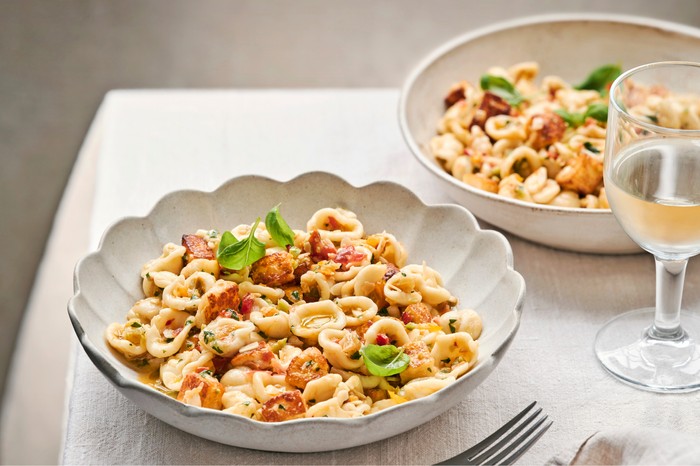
<point x="237" y="255"/>
<point x="572" y="119"/>
<point x="598" y="111"/>
<point x="600" y="78"/>
<point x="384" y="360"/>
<point x="278" y="228"/>
<point x="227" y="239"/>
<point x="502" y="88"/>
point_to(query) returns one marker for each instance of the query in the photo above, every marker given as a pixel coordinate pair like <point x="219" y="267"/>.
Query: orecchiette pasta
<point x="185" y="293"/>
<point x="296" y="333"/>
<point x="174" y="370"/>
<point x="168" y="332"/>
<point x="498" y="137"/>
<point x="308" y="319"/>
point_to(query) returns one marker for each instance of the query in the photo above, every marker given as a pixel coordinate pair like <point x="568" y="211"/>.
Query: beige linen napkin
<point x="627" y="446"/>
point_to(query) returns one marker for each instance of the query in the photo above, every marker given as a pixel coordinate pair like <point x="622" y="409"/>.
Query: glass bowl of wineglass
<point x="652" y="179"/>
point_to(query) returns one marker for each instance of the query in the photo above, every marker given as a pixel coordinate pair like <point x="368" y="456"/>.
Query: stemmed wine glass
<point x="652" y="182"/>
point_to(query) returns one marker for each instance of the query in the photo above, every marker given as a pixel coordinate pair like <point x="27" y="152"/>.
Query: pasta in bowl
<point x="539" y="142"/>
<point x="344" y="347"/>
<point x="322" y="322"/>
<point x="560" y="138"/>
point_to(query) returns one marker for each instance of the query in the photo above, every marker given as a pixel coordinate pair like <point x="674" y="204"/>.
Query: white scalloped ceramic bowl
<point x="476" y="265"/>
<point x="568" y="45"/>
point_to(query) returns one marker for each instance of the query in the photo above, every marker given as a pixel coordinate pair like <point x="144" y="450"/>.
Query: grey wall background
<point x="58" y="58"/>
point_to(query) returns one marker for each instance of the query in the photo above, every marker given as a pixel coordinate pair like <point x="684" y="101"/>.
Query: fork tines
<point x="509" y="442"/>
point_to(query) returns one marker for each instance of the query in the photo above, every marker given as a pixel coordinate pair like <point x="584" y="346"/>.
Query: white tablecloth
<point x="150" y="142"/>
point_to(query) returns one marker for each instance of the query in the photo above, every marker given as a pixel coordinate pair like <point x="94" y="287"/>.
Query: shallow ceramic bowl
<point x="570" y="46"/>
<point x="476" y="265"/>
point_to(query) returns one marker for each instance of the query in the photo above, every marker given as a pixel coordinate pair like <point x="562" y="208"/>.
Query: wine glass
<point x="652" y="182"/>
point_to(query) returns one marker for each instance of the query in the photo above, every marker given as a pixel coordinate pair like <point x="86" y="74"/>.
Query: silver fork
<point x="507" y="444"/>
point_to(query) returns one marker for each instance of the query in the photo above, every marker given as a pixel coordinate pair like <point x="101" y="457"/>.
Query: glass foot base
<point x="625" y="349"/>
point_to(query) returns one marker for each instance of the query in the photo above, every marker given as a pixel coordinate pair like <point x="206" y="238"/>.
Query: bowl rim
<point x="115" y="377"/>
<point x="446" y="47"/>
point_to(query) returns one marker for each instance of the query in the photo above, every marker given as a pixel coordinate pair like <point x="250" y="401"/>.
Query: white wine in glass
<point x="652" y="182"/>
<point x="653" y="186"/>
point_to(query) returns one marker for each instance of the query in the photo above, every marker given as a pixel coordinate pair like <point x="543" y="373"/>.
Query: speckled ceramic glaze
<point x="570" y="46"/>
<point x="476" y="265"/>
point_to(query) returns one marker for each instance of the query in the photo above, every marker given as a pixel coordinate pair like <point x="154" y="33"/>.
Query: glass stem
<point x="670" y="275"/>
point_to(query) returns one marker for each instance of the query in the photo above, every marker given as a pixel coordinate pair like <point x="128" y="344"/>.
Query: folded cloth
<point x="638" y="446"/>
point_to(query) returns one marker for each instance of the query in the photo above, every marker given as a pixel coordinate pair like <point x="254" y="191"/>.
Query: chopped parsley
<point x="452" y="326"/>
<point x="208" y="336"/>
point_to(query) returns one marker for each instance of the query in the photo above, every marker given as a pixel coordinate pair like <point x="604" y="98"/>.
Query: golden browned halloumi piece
<point x="422" y="363"/>
<point x="582" y="174"/>
<point x="377" y="394"/>
<point x="309" y="365"/>
<point x="491" y="105"/>
<point x="418" y="313"/>
<point x="455" y="94"/>
<point x="360" y="330"/>
<point x="274" y="269"/>
<point x="545" y="129"/>
<point x="197" y="247"/>
<point x="481" y="182"/>
<point x="285" y="406"/>
<point x="220" y="297"/>
<point x="259" y="358"/>
<point x="201" y="389"/>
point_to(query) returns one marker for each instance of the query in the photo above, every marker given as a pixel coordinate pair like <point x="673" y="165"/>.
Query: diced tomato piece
<point x="247" y="304"/>
<point x="334" y="223"/>
<point x="383" y="339"/>
<point x="320" y="248"/>
<point x="348" y="255"/>
<point x="220" y="364"/>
